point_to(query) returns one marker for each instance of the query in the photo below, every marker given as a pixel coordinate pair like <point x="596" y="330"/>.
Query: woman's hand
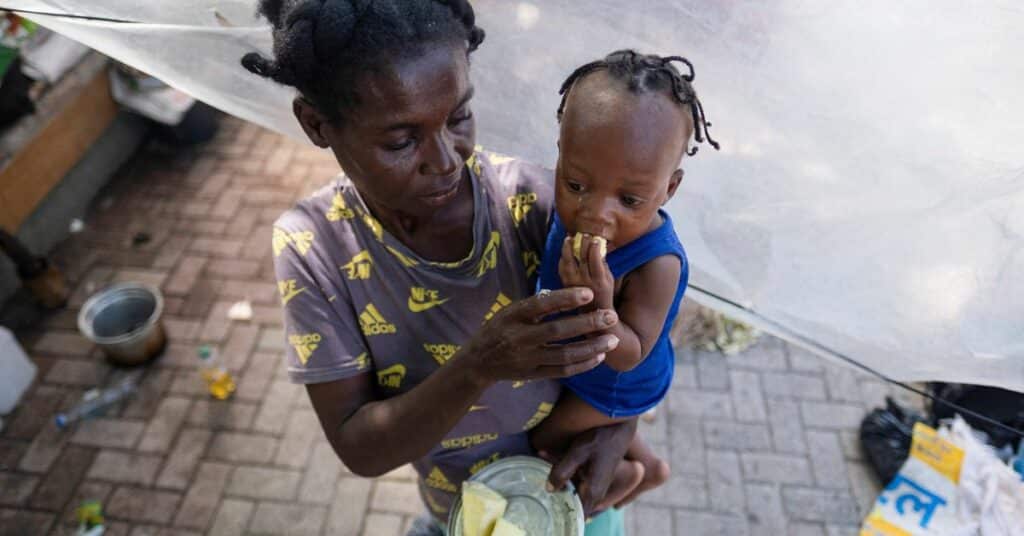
<point x="591" y="461"/>
<point x="516" y="344"/>
<point x="591" y="271"/>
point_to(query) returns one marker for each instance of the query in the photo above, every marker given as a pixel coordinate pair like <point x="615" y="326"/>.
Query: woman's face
<point x="404" y="145"/>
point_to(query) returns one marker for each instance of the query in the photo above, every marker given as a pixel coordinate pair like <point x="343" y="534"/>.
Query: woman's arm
<point x="373" y="437"/>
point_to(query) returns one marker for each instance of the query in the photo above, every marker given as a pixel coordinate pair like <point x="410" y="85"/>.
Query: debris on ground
<point x="90" y="518"/>
<point x="240" y="311"/>
<point x="885" y="435"/>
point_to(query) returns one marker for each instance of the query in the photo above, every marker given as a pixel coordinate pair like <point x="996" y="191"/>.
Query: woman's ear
<point x="312" y="122"/>
<point x="673" y="184"/>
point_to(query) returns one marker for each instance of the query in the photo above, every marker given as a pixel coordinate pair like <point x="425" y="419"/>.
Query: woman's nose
<point x="440" y="157"/>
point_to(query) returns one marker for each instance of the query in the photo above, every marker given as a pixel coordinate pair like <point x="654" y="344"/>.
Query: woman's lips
<point x="441" y="197"/>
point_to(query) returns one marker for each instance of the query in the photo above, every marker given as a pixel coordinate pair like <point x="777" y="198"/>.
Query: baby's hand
<point x="588" y="269"/>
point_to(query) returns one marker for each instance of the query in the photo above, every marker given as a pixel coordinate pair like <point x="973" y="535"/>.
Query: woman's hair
<point x="644" y="73"/>
<point x="322" y="47"/>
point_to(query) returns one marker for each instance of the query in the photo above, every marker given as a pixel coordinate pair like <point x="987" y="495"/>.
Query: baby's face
<point x="618" y="159"/>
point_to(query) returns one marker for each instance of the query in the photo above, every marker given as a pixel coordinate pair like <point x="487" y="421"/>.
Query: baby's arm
<point x="642" y="303"/>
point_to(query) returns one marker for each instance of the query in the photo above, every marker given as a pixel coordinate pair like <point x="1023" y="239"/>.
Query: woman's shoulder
<point x="511" y="175"/>
<point x="318" y="221"/>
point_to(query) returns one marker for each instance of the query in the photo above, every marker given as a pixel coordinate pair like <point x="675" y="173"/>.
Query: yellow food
<point x="577" y="245"/>
<point x="505" y="527"/>
<point x="482" y="507"/>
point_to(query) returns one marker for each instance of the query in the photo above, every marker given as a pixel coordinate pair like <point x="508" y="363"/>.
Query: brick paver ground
<point x="760" y="443"/>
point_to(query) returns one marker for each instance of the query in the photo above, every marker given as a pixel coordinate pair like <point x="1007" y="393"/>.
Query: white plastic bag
<point x="16" y="371"/>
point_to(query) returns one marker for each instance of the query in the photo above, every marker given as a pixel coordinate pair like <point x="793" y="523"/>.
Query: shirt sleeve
<point x="322" y="336"/>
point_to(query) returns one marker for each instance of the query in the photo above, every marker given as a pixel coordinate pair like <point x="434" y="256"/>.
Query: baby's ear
<point x="311" y="121"/>
<point x="673" y="184"/>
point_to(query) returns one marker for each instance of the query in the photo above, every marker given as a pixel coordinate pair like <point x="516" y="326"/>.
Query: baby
<point x="626" y="122"/>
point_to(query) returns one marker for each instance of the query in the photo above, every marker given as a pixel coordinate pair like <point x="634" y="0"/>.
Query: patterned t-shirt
<point x="358" y="301"/>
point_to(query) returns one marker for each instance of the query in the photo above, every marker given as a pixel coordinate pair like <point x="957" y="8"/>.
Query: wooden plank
<point x="41" y="164"/>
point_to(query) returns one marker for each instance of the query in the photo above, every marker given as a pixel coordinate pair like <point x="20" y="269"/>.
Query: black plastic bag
<point x="1006" y="407"/>
<point x="885" y="435"/>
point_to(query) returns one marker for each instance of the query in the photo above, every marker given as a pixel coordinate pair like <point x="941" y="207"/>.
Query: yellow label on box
<point x="940" y="454"/>
<point x="876" y="525"/>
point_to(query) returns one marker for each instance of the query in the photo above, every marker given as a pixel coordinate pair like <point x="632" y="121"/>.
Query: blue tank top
<point x="614" y="393"/>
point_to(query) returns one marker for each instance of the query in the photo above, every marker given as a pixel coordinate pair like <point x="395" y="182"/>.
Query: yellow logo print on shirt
<point x="519" y="205"/>
<point x="373" y="323"/>
<point x="421" y="299"/>
<point x="441" y="352"/>
<point x="289" y="289"/>
<point x="484" y="462"/>
<point x="373" y="224"/>
<point x="437" y="480"/>
<point x="304" y="344"/>
<point x="500" y="303"/>
<point x="359" y="267"/>
<point x="406" y="261"/>
<point x="498" y="159"/>
<point x="468" y="441"/>
<point x="392" y="376"/>
<point x="531" y="261"/>
<point x="543" y="410"/>
<point x="489" y="260"/>
<point x="434" y="505"/>
<point x="339" y="209"/>
<point x="302" y="240"/>
<point x="362" y="361"/>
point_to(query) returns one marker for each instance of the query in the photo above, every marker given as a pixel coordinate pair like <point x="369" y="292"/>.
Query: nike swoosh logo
<point x="285" y="298"/>
<point x="418" y="307"/>
<point x="477" y="408"/>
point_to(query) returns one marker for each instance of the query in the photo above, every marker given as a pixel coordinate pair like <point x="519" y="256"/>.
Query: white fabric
<point x="869" y="197"/>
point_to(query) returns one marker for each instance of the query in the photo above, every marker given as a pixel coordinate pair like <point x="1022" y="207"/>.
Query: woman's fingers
<point x="576" y="352"/>
<point x="564" y="371"/>
<point x="570" y="327"/>
<point x="534" y="308"/>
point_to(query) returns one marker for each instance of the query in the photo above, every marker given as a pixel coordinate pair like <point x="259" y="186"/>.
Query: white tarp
<point x="869" y="195"/>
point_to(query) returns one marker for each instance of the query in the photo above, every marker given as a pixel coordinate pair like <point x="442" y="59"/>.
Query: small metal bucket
<point x="125" y="321"/>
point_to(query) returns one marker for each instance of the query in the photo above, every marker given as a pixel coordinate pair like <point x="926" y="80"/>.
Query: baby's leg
<point x="655" y="470"/>
<point x="573" y="416"/>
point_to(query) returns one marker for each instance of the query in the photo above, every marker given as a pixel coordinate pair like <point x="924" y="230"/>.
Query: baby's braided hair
<point x="321" y="47"/>
<point x="648" y="72"/>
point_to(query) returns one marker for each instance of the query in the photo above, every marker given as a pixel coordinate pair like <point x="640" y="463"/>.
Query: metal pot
<point x="125" y="321"/>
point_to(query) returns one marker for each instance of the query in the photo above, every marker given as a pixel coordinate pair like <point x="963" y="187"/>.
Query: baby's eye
<point x="574" y="186"/>
<point x="631" y="201"/>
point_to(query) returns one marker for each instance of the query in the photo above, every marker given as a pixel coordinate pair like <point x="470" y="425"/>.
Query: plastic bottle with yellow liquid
<point x="218" y="380"/>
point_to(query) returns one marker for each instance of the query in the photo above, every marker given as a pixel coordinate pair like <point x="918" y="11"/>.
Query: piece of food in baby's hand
<point x="505" y="527"/>
<point x="482" y="507"/>
<point x="577" y="245"/>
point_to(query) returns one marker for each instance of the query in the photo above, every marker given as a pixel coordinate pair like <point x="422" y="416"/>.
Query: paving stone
<point x="651" y="520"/>
<point x="273" y="414"/>
<point x="144" y="505"/>
<point x="701" y="404"/>
<point x="842" y="530"/>
<point x="322" y="471"/>
<point x="180" y="355"/>
<point x="232" y="517"/>
<point x="681" y="491"/>
<point x="154" y="278"/>
<point x="705" y="524"/>
<point x="125" y="467"/>
<point x="63" y="343"/>
<point x="804" y="360"/>
<point x="217" y="324"/>
<point x="188" y="449"/>
<point x="297" y="444"/>
<point x="264" y="483"/>
<point x="239" y="346"/>
<point x="849" y="442"/>
<point x="725" y="484"/>
<point x="404" y="473"/>
<point x="15" y="489"/>
<point x="34" y="416"/>
<point x="864" y="484"/>
<point x="831" y="415"/>
<point x="272" y="340"/>
<point x="233" y="268"/>
<point x="378" y="524"/>
<point x="776" y="468"/>
<point x="768" y="354"/>
<point x="246" y="448"/>
<point x="184" y="277"/>
<point x="654" y="429"/>
<point x="216" y="247"/>
<point x="815" y="504"/>
<point x="182" y="330"/>
<point x="738" y="436"/>
<point x="687" y="445"/>
<point x="163" y="427"/>
<point x="203" y="496"/>
<point x="84" y="372"/>
<point x="227" y="205"/>
<point x="827" y="459"/>
<point x="712" y="371"/>
<point x="59" y="484"/>
<point x="107" y="432"/>
<point x="222" y="414"/>
<point x="793" y="385"/>
<point x="349" y="508"/>
<point x="254" y="381"/>
<point x="397" y="497"/>
<point x="764" y="507"/>
<point x="149" y="395"/>
<point x="685" y="376"/>
<point x="171" y="251"/>
<point x="152" y="530"/>
<point x="843" y="384"/>
<point x="15" y="522"/>
<point x="287" y="519"/>
<point x="187" y="383"/>
<point x="747" y="398"/>
<point x="10" y="452"/>
<point x="86" y="491"/>
<point x="787" y="427"/>
<point x="808" y="529"/>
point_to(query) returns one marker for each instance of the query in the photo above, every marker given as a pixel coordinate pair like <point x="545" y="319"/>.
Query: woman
<point x="406" y="284"/>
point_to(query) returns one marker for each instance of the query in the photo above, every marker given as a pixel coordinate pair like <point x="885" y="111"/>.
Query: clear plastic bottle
<point x="218" y="380"/>
<point x="96" y="400"/>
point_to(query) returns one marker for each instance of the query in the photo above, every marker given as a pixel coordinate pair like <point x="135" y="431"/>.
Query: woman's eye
<point x="398" y="146"/>
<point x="631" y="201"/>
<point x="574" y="186"/>
<point x="461" y="118"/>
